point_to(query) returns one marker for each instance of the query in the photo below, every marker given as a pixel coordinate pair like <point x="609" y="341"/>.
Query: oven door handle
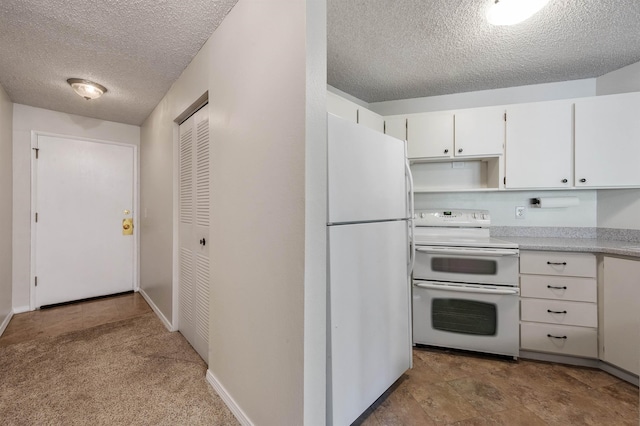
<point x="461" y="289"/>
<point x="468" y="252"/>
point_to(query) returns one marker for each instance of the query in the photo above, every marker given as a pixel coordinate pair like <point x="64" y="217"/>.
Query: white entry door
<point x="193" y="291"/>
<point x="83" y="192"/>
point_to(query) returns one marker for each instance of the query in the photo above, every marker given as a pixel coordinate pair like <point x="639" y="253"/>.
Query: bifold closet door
<point x="193" y="236"/>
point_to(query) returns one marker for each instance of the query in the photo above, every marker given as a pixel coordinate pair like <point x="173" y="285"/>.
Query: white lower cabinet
<point x="558" y="305"/>
<point x="621" y="314"/>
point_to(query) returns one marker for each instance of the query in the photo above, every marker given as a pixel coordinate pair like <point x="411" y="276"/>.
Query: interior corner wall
<point x="257" y="106"/>
<point x="315" y="287"/>
<point x="26" y="120"/>
<point x="619" y="208"/>
<point x="6" y="204"/>
<point x="158" y="190"/>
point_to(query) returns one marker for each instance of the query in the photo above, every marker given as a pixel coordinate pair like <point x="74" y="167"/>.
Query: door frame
<point x="32" y="208"/>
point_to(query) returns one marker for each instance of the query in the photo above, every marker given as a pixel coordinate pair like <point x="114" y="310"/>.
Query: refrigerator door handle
<point x="411" y="203"/>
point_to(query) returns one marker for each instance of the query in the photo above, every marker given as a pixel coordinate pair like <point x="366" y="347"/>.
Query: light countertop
<point x="585" y="245"/>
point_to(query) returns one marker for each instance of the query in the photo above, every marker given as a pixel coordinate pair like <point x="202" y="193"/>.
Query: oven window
<point x="464" y="316"/>
<point x="464" y="266"/>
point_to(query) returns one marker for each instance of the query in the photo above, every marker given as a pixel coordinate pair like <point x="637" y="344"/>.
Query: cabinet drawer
<point x="559" y="288"/>
<point x="559" y="312"/>
<point x="558" y="263"/>
<point x="565" y="340"/>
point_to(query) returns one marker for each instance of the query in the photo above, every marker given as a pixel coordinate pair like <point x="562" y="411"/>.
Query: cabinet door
<point x="621" y="314"/>
<point x="607" y="141"/>
<point x="430" y="135"/>
<point x="538" y="145"/>
<point x="341" y="107"/>
<point x="479" y="132"/>
<point x="371" y="120"/>
<point x="396" y="127"/>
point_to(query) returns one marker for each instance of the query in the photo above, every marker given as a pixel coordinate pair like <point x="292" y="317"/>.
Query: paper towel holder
<point x="554" y="202"/>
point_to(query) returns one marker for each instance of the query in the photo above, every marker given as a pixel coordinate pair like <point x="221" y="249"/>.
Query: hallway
<point x="107" y="361"/>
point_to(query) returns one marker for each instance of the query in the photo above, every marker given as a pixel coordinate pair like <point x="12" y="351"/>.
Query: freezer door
<point x="366" y="174"/>
<point x="369" y="324"/>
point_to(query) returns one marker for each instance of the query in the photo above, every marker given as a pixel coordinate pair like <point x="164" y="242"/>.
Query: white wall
<point x="26" y="120"/>
<point x="510" y="95"/>
<point x="158" y="195"/>
<point x="265" y="72"/>
<point x="6" y="146"/>
<point x="502" y="206"/>
<point x="623" y="80"/>
<point x="619" y="208"/>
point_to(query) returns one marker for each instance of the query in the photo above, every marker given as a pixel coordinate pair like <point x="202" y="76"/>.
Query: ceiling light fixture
<point x="511" y="12"/>
<point x="87" y="89"/>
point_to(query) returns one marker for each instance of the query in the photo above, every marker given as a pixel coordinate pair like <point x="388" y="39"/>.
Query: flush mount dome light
<point x="87" y="89"/>
<point x="511" y="12"/>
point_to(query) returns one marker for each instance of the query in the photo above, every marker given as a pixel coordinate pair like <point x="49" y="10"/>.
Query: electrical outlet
<point x="521" y="212"/>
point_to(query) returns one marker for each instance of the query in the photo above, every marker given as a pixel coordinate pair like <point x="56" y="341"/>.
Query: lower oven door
<point x="467" y="264"/>
<point x="478" y="318"/>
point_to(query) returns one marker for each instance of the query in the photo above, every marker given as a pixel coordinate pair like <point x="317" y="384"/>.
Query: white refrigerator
<point x="369" y="317"/>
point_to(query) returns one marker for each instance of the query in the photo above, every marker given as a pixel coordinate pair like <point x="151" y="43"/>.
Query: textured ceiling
<point x="135" y="48"/>
<point x="381" y="50"/>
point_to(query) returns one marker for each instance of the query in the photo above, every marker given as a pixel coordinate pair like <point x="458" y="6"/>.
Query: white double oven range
<point x="465" y="284"/>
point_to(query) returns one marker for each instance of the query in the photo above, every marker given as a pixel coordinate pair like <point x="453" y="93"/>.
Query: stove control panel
<point x="452" y="218"/>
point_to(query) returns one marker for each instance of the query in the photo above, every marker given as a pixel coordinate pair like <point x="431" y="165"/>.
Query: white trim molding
<point x="21" y="310"/>
<point x="157" y="311"/>
<point x="5" y="323"/>
<point x="228" y="400"/>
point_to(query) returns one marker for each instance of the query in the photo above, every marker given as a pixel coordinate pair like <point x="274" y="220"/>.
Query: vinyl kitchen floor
<point x="78" y="316"/>
<point x="450" y="388"/>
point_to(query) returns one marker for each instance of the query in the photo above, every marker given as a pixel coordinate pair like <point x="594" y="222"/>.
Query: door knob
<point x="564" y="181"/>
<point x="446" y="151"/>
<point x="460" y="150"/>
<point x="583" y="180"/>
<point x="127" y="226"/>
<point x="203" y="242"/>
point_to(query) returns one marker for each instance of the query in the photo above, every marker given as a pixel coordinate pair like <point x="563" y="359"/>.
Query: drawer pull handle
<point x="556" y="337"/>
<point x="564" y="287"/>
<point x="556" y="263"/>
<point x="556" y="312"/>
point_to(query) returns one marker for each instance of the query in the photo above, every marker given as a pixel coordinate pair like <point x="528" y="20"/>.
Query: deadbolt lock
<point x="127" y="226"/>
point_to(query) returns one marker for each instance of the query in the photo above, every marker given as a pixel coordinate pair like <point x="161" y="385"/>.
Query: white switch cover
<point x="521" y="212"/>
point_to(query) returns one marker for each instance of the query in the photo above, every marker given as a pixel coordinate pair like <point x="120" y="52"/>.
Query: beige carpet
<point x="131" y="372"/>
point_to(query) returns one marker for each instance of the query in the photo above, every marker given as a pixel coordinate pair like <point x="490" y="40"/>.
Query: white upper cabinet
<point x="479" y="132"/>
<point x="396" y="127"/>
<point x="539" y="151"/>
<point x="344" y="108"/>
<point x="607" y="141"/>
<point x="341" y="107"/>
<point x="430" y="135"/>
<point x="371" y="119"/>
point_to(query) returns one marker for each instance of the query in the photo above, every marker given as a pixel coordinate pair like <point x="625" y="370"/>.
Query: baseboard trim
<point x="581" y="362"/>
<point x="228" y="400"/>
<point x="5" y="323"/>
<point x="21" y="309"/>
<point x="158" y="312"/>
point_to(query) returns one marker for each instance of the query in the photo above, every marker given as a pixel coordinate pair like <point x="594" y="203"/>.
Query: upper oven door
<point x="467" y="265"/>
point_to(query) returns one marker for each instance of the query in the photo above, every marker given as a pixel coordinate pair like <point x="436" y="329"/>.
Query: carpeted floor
<point x="131" y="372"/>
